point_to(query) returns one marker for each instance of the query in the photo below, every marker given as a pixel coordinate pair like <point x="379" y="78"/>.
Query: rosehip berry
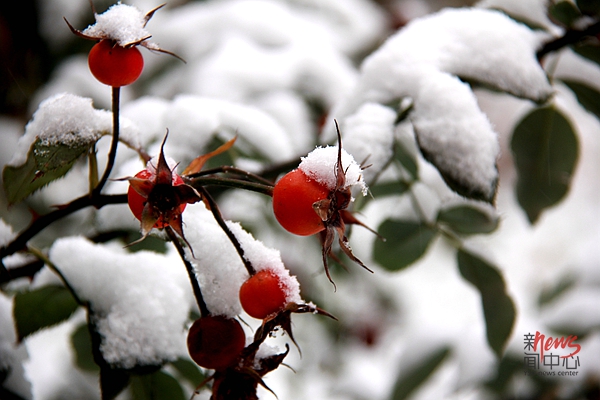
<point x="293" y="198"/>
<point x="137" y="202"/>
<point x="115" y="65"/>
<point x="263" y="294"/>
<point x="215" y="342"/>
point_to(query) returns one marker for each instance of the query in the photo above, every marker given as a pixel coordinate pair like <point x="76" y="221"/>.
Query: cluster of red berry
<point x="157" y="197"/>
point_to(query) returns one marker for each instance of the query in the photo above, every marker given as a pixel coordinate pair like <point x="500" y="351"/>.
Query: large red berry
<point x="293" y="198"/>
<point x="115" y="65"/>
<point x="263" y="294"/>
<point x="215" y="342"/>
<point x="137" y="202"/>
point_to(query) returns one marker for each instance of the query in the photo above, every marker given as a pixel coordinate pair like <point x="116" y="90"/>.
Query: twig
<point x="571" y="36"/>
<point x="116" y="93"/>
<point x="204" y="312"/>
<point x="214" y="208"/>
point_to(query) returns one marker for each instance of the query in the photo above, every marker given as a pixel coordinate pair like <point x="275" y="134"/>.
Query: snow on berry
<point x="320" y="165"/>
<point x="122" y="23"/>
<point x="265" y="258"/>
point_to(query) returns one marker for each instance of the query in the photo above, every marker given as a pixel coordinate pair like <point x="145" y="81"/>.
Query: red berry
<point x="293" y="199"/>
<point x="215" y="342"/>
<point x="137" y="202"/>
<point x="263" y="294"/>
<point x="115" y="65"/>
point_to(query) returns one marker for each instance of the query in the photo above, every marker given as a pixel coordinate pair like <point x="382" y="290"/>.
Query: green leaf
<point x="44" y="164"/>
<point x="590" y="52"/>
<point x="589" y="7"/>
<point x="498" y="307"/>
<point x="468" y="219"/>
<point x="388" y="189"/>
<point x="156" y="386"/>
<point x="545" y="149"/>
<point x="405" y="242"/>
<point x="42" y="308"/>
<point x="587" y="96"/>
<point x="407" y="383"/>
<point x="564" y="12"/>
<point x="82" y="344"/>
<point x="551" y="293"/>
<point x="407" y="160"/>
<point x="189" y="371"/>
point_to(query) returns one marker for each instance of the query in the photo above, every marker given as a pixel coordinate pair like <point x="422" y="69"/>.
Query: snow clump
<point x="121" y="23"/>
<point x="320" y="165"/>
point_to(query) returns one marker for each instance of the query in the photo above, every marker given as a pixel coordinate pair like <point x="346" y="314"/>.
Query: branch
<point x="116" y="91"/>
<point x="204" y="312"/>
<point x="214" y="208"/>
<point x="20" y="242"/>
<point x="571" y="36"/>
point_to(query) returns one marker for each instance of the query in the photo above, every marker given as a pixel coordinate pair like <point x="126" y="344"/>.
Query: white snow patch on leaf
<point x="70" y="120"/>
<point x="122" y="23"/>
<point x="321" y="165"/>
<point x="140" y="301"/>
<point x="421" y="61"/>
<point x="368" y="135"/>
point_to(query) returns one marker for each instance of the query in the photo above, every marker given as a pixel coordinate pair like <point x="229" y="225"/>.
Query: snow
<point x="256" y="69"/>
<point x="219" y="268"/>
<point x="321" y="165"/>
<point x="69" y="120"/>
<point x="264" y="258"/>
<point x="122" y="23"/>
<point x="423" y="62"/>
<point x="140" y="302"/>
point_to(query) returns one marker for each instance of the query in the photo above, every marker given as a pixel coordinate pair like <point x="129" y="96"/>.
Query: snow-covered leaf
<point x="45" y="163"/>
<point x="498" y="307"/>
<point x="424" y="61"/>
<point x="138" y="302"/>
<point x="468" y="219"/>
<point x="545" y="149"/>
<point x="587" y="96"/>
<point x="407" y="383"/>
<point x="42" y="308"/>
<point x="405" y="242"/>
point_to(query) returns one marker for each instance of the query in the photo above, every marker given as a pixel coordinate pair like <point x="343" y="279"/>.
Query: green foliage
<point x="45" y="163"/>
<point x="405" y="242"/>
<point x="564" y="12"/>
<point x="417" y="375"/>
<point x="498" y="308"/>
<point x="545" y="149"/>
<point x="589" y="7"/>
<point x="588" y="97"/>
<point x="156" y="386"/>
<point x="468" y="219"/>
<point x="588" y="51"/>
<point x="42" y="308"/>
<point x="82" y="345"/>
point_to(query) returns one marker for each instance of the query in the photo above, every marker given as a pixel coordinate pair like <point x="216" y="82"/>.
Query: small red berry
<point x="293" y="198"/>
<point x="263" y="294"/>
<point x="115" y="65"/>
<point x="137" y="202"/>
<point x="215" y="342"/>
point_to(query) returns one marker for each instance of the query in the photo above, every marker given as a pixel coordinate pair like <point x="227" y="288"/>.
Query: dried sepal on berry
<point x="164" y="200"/>
<point x="123" y="25"/>
<point x="334" y="215"/>
<point x="241" y="380"/>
